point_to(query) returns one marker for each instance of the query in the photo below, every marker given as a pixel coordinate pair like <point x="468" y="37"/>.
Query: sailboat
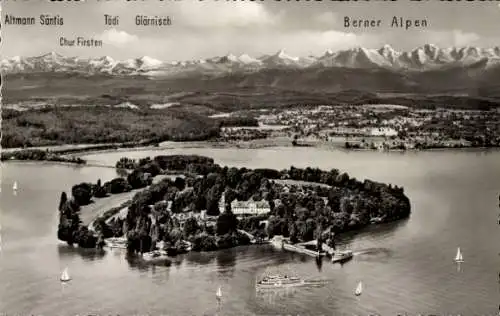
<point x="65" y="276"/>
<point x="14" y="187"/>
<point x="459" y="258"/>
<point x="218" y="294"/>
<point x="359" y="289"/>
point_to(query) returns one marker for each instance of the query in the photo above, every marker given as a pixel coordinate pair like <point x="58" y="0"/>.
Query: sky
<point x="202" y="29"/>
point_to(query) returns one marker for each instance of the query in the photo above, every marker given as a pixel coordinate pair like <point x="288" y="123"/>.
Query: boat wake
<point x="303" y="284"/>
<point x="316" y="283"/>
<point x="371" y="254"/>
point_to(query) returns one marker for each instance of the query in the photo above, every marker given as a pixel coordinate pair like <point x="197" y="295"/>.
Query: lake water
<point x="405" y="267"/>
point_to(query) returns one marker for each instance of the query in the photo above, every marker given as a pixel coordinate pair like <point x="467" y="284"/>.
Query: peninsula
<point x="215" y="207"/>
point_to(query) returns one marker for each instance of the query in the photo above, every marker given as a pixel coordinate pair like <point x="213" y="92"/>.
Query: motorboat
<point x="116" y="242"/>
<point x="342" y="256"/>
<point x="156" y="256"/>
<point x="279" y="281"/>
<point x="185" y="247"/>
<point x="181" y="248"/>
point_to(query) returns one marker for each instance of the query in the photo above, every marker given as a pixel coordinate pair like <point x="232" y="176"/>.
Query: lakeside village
<point x="375" y="127"/>
<point x="189" y="203"/>
<point x="352" y="127"/>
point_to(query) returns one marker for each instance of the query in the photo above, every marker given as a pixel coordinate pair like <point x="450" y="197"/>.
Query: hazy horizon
<point x="206" y="29"/>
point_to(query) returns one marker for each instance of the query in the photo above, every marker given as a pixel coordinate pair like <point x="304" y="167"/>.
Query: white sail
<point x="65" y="275"/>
<point x="219" y="293"/>
<point x="359" y="289"/>
<point x="14" y="187"/>
<point x="459" y="257"/>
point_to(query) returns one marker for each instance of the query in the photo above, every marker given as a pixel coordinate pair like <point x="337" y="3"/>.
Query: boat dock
<point x="283" y="243"/>
<point x="327" y="250"/>
<point x="301" y="249"/>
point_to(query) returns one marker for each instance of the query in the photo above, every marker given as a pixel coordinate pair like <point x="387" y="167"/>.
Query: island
<point x="34" y="154"/>
<point x="179" y="199"/>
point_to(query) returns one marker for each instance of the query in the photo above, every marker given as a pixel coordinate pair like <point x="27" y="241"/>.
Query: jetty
<point x="302" y="249"/>
<point x="250" y="236"/>
<point x="327" y="250"/>
<point x="284" y="243"/>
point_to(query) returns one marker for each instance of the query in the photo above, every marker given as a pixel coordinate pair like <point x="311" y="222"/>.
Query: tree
<point x="137" y="179"/>
<point x="126" y="163"/>
<point x="101" y="226"/>
<point x="212" y="200"/>
<point x="204" y="242"/>
<point x="175" y="235"/>
<point x="62" y="200"/>
<point x="293" y="232"/>
<point x="226" y="223"/>
<point x="99" y="190"/>
<point x="119" y="185"/>
<point x="85" y="238"/>
<point x="191" y="227"/>
<point x="82" y="193"/>
<point x="180" y="183"/>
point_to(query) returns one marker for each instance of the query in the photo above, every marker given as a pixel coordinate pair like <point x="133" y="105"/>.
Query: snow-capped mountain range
<point x="427" y="57"/>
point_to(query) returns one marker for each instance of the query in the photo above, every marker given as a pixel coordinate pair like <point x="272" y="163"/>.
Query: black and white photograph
<point x="241" y="158"/>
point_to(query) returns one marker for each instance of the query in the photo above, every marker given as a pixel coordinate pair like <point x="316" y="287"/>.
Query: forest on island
<point x="305" y="204"/>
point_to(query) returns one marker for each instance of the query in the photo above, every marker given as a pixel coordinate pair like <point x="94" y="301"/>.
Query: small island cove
<point x="187" y="202"/>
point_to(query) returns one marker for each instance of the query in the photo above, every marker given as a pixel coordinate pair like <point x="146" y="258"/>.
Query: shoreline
<point x="103" y="205"/>
<point x="75" y="150"/>
<point x="63" y="163"/>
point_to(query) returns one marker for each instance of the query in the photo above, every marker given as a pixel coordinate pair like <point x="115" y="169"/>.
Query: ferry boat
<point x="342" y="256"/>
<point x="279" y="281"/>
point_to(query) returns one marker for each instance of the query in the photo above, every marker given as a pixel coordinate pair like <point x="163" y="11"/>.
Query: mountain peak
<point x="146" y="58"/>
<point x="226" y="59"/>
<point x="387" y="47"/>
<point x="247" y="59"/>
<point x="148" y="61"/>
<point x="105" y="58"/>
<point x="283" y="55"/>
<point x="328" y="52"/>
<point x="231" y="57"/>
<point x="52" y="55"/>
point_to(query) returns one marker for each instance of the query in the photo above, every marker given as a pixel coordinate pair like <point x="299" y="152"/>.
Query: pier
<point x="284" y="243"/>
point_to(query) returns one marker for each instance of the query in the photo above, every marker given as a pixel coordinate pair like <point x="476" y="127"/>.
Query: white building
<point x="250" y="207"/>
<point x="383" y="131"/>
<point x="246" y="207"/>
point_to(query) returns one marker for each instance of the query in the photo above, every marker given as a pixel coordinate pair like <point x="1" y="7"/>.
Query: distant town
<point x="376" y="127"/>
